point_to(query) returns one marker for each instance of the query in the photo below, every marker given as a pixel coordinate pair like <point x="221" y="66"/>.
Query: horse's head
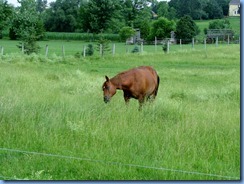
<point x="108" y="90"/>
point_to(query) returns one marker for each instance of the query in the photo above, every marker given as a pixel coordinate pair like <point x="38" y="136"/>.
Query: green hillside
<point x="234" y="22"/>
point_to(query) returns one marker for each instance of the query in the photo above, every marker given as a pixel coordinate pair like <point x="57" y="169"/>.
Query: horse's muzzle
<point x="106" y="99"/>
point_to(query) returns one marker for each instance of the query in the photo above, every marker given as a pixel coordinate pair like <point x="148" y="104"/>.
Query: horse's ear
<point x="106" y="77"/>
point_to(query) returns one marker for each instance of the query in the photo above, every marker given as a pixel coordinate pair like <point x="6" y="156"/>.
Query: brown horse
<point x="140" y="83"/>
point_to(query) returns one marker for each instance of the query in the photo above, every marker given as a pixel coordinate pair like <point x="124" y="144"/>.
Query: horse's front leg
<point x="126" y="97"/>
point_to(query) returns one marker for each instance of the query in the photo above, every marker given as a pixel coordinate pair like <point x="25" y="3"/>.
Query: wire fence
<point x="81" y="49"/>
<point x="113" y="163"/>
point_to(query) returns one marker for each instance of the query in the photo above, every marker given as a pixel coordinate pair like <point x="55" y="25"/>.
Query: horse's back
<point x="148" y="74"/>
<point x="142" y="80"/>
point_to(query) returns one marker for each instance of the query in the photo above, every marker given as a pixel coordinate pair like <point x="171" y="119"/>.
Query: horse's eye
<point x="106" y="87"/>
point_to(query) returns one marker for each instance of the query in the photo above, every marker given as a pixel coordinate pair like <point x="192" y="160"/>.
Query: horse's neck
<point x="116" y="81"/>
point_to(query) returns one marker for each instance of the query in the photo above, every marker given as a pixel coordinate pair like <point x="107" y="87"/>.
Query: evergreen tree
<point x="27" y="26"/>
<point x="186" y="29"/>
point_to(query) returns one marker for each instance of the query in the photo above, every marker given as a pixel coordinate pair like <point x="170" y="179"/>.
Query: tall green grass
<point x="193" y="127"/>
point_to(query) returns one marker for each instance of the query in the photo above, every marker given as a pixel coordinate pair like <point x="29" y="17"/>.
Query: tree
<point x="224" y="4"/>
<point x="103" y="46"/>
<point x="134" y="9"/>
<point x="193" y="8"/>
<point x="186" y="29"/>
<point x="27" y="26"/>
<point x="62" y="16"/>
<point x="97" y="15"/>
<point x="126" y="32"/>
<point x="6" y="12"/>
<point x="161" y="28"/>
<point x="213" y="10"/>
<point x="162" y="9"/>
<point x="41" y="5"/>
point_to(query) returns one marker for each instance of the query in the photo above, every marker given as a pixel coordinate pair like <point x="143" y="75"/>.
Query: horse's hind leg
<point x="141" y="101"/>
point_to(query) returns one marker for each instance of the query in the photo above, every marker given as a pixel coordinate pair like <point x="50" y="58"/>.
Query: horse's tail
<point x="156" y="89"/>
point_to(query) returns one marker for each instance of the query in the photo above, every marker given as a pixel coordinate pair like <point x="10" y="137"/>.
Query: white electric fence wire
<point x="9" y="178"/>
<point x="122" y="164"/>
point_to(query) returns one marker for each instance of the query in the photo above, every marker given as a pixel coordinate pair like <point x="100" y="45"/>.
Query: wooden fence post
<point x="180" y="44"/>
<point x="193" y="43"/>
<point x="141" y="46"/>
<point x="22" y="47"/>
<point x="84" y="51"/>
<point x="167" y="46"/>
<point x="228" y="39"/>
<point x="101" y="52"/>
<point x="126" y="47"/>
<point x="217" y="41"/>
<point x="113" y="49"/>
<point x="155" y="44"/>
<point x="46" y="52"/>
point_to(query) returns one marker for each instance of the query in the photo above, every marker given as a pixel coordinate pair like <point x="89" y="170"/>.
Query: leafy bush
<point x="126" y="32"/>
<point x="186" y="29"/>
<point x="161" y="28"/>
<point x="219" y="24"/>
<point x="135" y="49"/>
<point x="89" y="50"/>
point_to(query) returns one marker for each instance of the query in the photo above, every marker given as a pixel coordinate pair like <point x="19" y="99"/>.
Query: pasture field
<point x="234" y="24"/>
<point x="75" y="48"/>
<point x="55" y="126"/>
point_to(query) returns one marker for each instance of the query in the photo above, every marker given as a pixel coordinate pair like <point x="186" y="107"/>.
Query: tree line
<point x="33" y="18"/>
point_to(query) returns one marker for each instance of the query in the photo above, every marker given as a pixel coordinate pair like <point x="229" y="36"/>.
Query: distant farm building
<point x="136" y="38"/>
<point x="221" y="34"/>
<point x="234" y="8"/>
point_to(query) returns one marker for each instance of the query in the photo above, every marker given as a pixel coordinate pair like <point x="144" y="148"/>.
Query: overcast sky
<point x="15" y="2"/>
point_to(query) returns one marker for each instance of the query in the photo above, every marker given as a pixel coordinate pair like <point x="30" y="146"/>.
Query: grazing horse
<point x="140" y="83"/>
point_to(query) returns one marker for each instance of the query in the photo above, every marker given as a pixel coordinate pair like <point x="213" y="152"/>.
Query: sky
<point x="15" y="2"/>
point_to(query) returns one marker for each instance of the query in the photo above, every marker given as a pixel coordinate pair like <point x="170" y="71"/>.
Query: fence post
<point x="22" y="47"/>
<point x="217" y="41"/>
<point x="46" y="52"/>
<point x="228" y="39"/>
<point x="113" y="49"/>
<point x="101" y="52"/>
<point x="193" y="43"/>
<point x="126" y="47"/>
<point x="180" y="44"/>
<point x="141" y="46"/>
<point x="84" y="51"/>
<point x="155" y="43"/>
<point x="167" y="46"/>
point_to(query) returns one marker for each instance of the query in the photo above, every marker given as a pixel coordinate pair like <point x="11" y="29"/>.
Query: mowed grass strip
<point x="57" y="108"/>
